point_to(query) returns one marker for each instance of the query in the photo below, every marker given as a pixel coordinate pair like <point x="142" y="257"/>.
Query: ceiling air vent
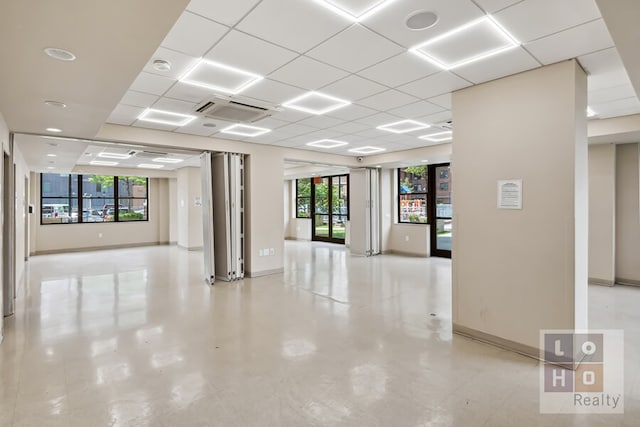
<point x="232" y="111"/>
<point x="147" y="154"/>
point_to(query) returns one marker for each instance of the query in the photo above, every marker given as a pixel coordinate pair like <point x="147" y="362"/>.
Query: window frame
<point x="80" y="198"/>
<point x="298" y="197"/>
<point x="425" y="193"/>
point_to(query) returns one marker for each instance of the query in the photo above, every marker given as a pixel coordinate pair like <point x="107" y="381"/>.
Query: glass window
<point x="412" y="194"/>
<point x="98" y="195"/>
<point x="303" y="198"/>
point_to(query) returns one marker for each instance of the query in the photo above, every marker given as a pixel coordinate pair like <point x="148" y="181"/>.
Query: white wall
<point x="21" y="204"/>
<point x="410" y="239"/>
<point x="627" y="215"/>
<point x="4" y="142"/>
<point x="173" y="210"/>
<point x="602" y="213"/>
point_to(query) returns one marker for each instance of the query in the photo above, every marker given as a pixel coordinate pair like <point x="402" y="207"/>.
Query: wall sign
<point x="510" y="194"/>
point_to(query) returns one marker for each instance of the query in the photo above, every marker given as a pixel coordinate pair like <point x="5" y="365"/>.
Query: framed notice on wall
<point x="510" y="194"/>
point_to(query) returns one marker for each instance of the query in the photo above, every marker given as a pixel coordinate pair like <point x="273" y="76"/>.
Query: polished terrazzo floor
<point x="135" y="338"/>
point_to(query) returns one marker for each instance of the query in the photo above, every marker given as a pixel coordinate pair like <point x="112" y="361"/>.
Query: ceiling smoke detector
<point x="421" y="20"/>
<point x="161" y="65"/>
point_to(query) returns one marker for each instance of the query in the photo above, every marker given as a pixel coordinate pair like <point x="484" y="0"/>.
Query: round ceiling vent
<point x="421" y="20"/>
<point x="60" y="54"/>
<point x="161" y="65"/>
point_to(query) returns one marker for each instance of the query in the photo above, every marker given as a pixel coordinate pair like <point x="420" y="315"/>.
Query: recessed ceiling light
<point x="114" y="155"/>
<point x="590" y="112"/>
<point x="57" y="104"/>
<point x="52" y="155"/>
<point x="165" y="117"/>
<point x="490" y="38"/>
<point x="245" y="130"/>
<point x="150" y="166"/>
<point x="316" y="103"/>
<point x="219" y="77"/>
<point x="438" y="136"/>
<point x="404" y="126"/>
<point x="347" y="10"/>
<point x="167" y="160"/>
<point x="60" y="54"/>
<point x="367" y="150"/>
<point x="161" y="65"/>
<point x="327" y="143"/>
<point x="102" y="163"/>
<point x="55" y="130"/>
<point x="421" y="20"/>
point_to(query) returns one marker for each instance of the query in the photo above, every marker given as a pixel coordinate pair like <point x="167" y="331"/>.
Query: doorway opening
<point x="330" y="208"/>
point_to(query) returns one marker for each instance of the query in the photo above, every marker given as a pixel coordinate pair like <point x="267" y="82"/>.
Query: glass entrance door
<point x="441" y="210"/>
<point x="330" y="208"/>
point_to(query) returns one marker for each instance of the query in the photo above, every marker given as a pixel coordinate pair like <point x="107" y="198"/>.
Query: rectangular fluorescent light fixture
<point x="165" y="117"/>
<point x="367" y="150"/>
<point x="340" y="7"/>
<point x="590" y="112"/>
<point x="219" y="77"/>
<point x="438" y="136"/>
<point x="327" y="143"/>
<point x="245" y="130"/>
<point x="102" y="163"/>
<point x="316" y="103"/>
<point x="114" y="156"/>
<point x="150" y="166"/>
<point x="403" y="126"/>
<point x="166" y="160"/>
<point x="440" y="50"/>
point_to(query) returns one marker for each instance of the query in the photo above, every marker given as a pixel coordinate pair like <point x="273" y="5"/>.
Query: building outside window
<point x="303" y="198"/>
<point x="412" y="194"/>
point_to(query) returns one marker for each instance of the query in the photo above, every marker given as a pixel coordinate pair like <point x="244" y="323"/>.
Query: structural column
<point x="521" y="267"/>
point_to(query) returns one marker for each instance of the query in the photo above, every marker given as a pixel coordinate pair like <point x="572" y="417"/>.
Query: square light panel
<point x="150" y="166"/>
<point x="114" y="155"/>
<point x="166" y="160"/>
<point x="327" y="143"/>
<point x="219" y="77"/>
<point x="468" y="43"/>
<point x="165" y="117"/>
<point x="367" y="150"/>
<point x="316" y="103"/>
<point x="438" y="136"/>
<point x="355" y="10"/>
<point x="404" y="126"/>
<point x="245" y="130"/>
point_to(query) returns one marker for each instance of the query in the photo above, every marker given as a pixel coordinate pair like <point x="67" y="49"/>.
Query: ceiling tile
<point x="290" y="115"/>
<point x="321" y="122"/>
<point x="193" y="35"/>
<point x="391" y="22"/>
<point x="617" y="107"/>
<point x="436" y="118"/>
<point x="504" y="64"/>
<point x="224" y="11"/>
<point x="387" y="100"/>
<point x="196" y="127"/>
<point x="352" y="112"/>
<point x="399" y="70"/>
<point x="151" y="83"/>
<point x="189" y="93"/>
<point x="491" y="6"/>
<point x="533" y="19"/>
<point x="378" y="120"/>
<point x="249" y="53"/>
<point x="270" y="123"/>
<point x="294" y="24"/>
<point x="180" y="63"/>
<point x="138" y="99"/>
<point x="295" y="129"/>
<point x="353" y="88"/>
<point x="572" y="43"/>
<point x="351" y="127"/>
<point x="151" y="125"/>
<point x="601" y="96"/>
<point x="273" y="92"/>
<point x="442" y="100"/>
<point x="605" y="69"/>
<point x="354" y="49"/>
<point x="416" y="109"/>
<point x="124" y="115"/>
<point x="175" y="106"/>
<point x="308" y="73"/>
<point x="436" y="84"/>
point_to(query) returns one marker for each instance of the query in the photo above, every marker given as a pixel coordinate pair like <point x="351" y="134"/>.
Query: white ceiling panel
<point x="270" y="123"/>
<point x="354" y="49"/>
<point x="353" y="88"/>
<point x="151" y="83"/>
<point x="416" y="109"/>
<point x="492" y="6"/>
<point x="138" y="99"/>
<point x="124" y="115"/>
<point x="151" y="125"/>
<point x="249" y="53"/>
<point x="436" y="84"/>
<point x="351" y="127"/>
<point x="294" y="24"/>
<point x="601" y="96"/>
<point x="391" y="21"/>
<point x="504" y="64"/>
<point x="193" y="35"/>
<point x="533" y="19"/>
<point x="175" y="106"/>
<point x="620" y="107"/>
<point x="224" y="11"/>
<point x="196" y="127"/>
<point x="387" y="100"/>
<point x="289" y="115"/>
<point x="442" y="100"/>
<point x="308" y="73"/>
<point x="436" y="118"/>
<point x="400" y="69"/>
<point x="571" y="43"/>
<point x="378" y="120"/>
<point x="273" y="92"/>
<point x="352" y="112"/>
<point x="605" y="69"/>
<point x="189" y="93"/>
<point x="294" y="129"/>
<point x="321" y="122"/>
<point x="180" y="63"/>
